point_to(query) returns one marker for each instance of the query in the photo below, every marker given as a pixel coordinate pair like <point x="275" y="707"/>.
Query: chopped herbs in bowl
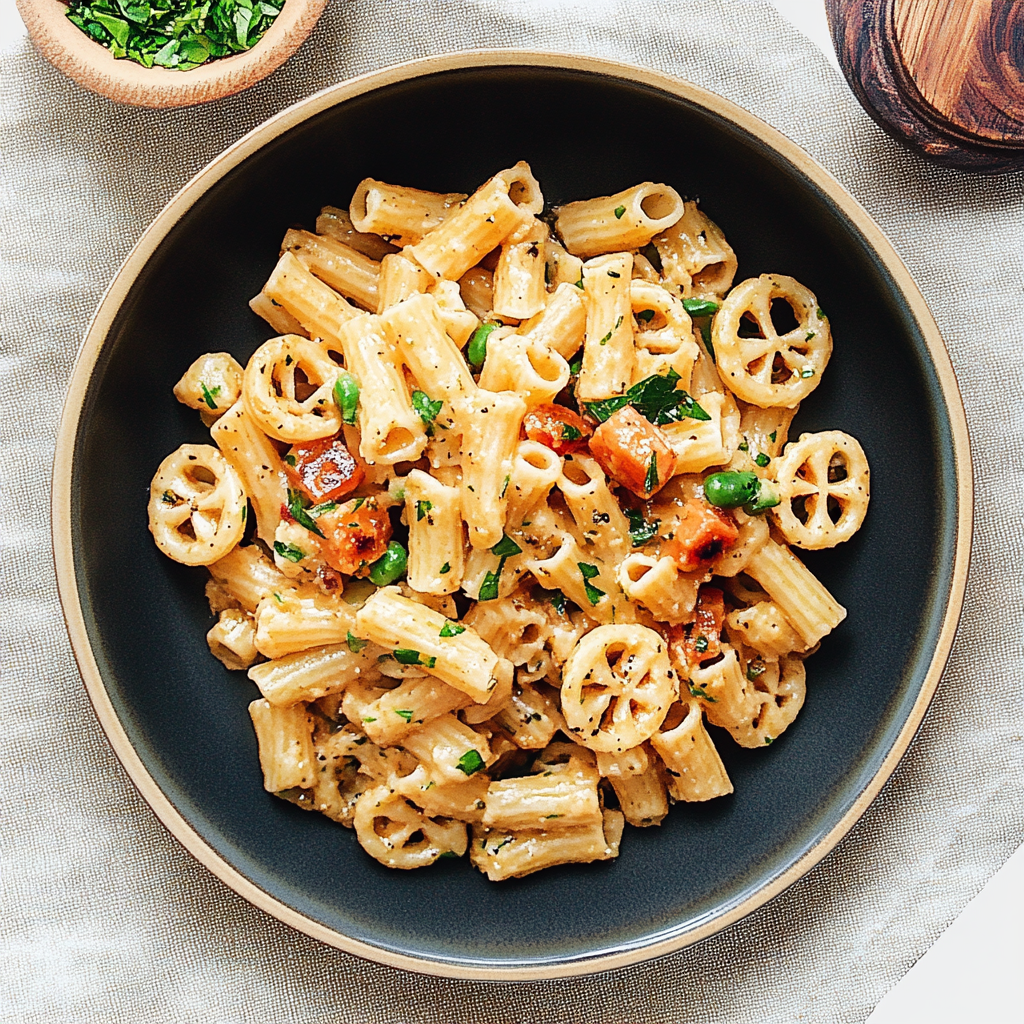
<point x="175" y="34"/>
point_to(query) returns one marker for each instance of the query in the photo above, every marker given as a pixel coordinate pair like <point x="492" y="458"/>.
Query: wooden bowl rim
<point x="92" y="65"/>
<point x="90" y="354"/>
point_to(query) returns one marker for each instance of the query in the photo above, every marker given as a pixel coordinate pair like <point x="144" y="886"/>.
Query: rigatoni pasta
<point x="523" y="501"/>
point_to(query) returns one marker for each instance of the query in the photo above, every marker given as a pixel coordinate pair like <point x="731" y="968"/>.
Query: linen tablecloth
<point x="104" y="917"/>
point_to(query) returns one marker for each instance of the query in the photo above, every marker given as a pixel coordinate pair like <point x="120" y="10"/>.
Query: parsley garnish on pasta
<point x="505" y="564"/>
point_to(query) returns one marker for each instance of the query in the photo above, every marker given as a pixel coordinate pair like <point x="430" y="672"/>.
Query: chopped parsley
<point x="290" y="459"/>
<point x="355" y="645"/>
<point x="755" y="669"/>
<point x="174" y="34"/>
<point x="769" y="740"/>
<point x="426" y="409"/>
<point x="571" y="433"/>
<point x="761" y="459"/>
<point x="558" y="600"/>
<point x="655" y="397"/>
<point x="699" y="691"/>
<point x="422" y="508"/>
<point x="470" y="762"/>
<point x="316" y="511"/>
<point x="407" y="715"/>
<point x="407" y="656"/>
<point x="506" y="547"/>
<point x="504" y="486"/>
<point x="700" y="645"/>
<point x="619" y="211"/>
<point x="821" y="313"/>
<point x="289" y="551"/>
<point x="346" y="394"/>
<point x="209" y="394"/>
<point x="773" y="435"/>
<point x="168" y="498"/>
<point x="297" y="505"/>
<point x="451" y="628"/>
<point x="809" y="335"/>
<point x="807" y="371"/>
<point x="641" y="530"/>
<point x="651" y="480"/>
<point x="588" y="572"/>
<point x="645" y="315"/>
<point x="575" y="366"/>
<point x="489" y="588"/>
<point x="446" y="568"/>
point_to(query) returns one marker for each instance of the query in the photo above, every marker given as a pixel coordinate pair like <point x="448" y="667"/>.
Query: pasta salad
<point x="502" y="517"/>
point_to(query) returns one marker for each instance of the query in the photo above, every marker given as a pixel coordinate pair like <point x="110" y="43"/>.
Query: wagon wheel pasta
<point x="519" y="559"/>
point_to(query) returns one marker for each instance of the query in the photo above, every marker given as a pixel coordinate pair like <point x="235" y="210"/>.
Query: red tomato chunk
<point x="703" y="533"/>
<point x="355" y="534"/>
<point x="557" y="428"/>
<point x="324" y="469"/>
<point x="631" y="450"/>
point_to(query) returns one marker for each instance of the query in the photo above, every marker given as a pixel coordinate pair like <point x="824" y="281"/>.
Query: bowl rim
<point x="93" y="66"/>
<point x="90" y="352"/>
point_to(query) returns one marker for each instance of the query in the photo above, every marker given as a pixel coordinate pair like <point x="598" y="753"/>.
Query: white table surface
<point x="973" y="973"/>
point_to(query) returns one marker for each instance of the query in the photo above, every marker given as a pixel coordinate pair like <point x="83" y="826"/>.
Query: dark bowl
<point x="137" y="620"/>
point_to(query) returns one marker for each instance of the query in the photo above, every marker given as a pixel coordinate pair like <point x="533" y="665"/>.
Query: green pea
<point x="346" y="394"/>
<point x="390" y="566"/>
<point x="730" y="490"/>
<point x="700" y="307"/>
<point x="477" y="351"/>
<point x="767" y="497"/>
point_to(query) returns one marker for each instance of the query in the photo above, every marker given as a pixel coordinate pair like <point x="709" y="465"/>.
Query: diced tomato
<point x="355" y="534"/>
<point x="557" y="428"/>
<point x="701" y="639"/>
<point x="324" y="469"/>
<point x="702" y="533"/>
<point x="633" y="451"/>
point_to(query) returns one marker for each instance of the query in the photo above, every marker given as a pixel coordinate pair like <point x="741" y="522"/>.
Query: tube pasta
<point x="626" y="220"/>
<point x="609" y="356"/>
<point x="434" y="514"/>
<point x="336" y="223"/>
<point x="489" y="423"/>
<point x="482" y="223"/>
<point x="397" y="213"/>
<point x="343" y="268"/>
<point x="694" y="766"/>
<point x="608" y="609"/>
<point x="276" y="315"/>
<point x="311" y="674"/>
<point x="462" y="660"/>
<point x="399" y="279"/>
<point x="695" y="257"/>
<point x="321" y="310"/>
<point x="390" y="430"/>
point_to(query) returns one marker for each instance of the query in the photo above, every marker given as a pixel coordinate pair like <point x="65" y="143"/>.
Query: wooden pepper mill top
<point x="943" y="76"/>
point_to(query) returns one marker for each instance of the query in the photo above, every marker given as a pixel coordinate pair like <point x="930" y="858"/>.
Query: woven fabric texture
<point x="104" y="917"/>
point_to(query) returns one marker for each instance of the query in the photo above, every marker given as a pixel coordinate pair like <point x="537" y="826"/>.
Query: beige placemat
<point x="106" y="918"/>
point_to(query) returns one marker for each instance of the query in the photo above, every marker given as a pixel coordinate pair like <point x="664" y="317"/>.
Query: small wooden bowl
<point x="68" y="48"/>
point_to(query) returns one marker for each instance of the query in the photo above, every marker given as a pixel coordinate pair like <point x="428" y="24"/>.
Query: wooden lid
<point x="943" y="76"/>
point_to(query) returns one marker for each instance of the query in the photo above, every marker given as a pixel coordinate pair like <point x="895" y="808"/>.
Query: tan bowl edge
<point x="116" y="294"/>
<point x="70" y="50"/>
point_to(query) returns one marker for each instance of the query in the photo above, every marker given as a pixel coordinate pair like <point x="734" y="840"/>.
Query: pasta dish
<point x="501" y="521"/>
